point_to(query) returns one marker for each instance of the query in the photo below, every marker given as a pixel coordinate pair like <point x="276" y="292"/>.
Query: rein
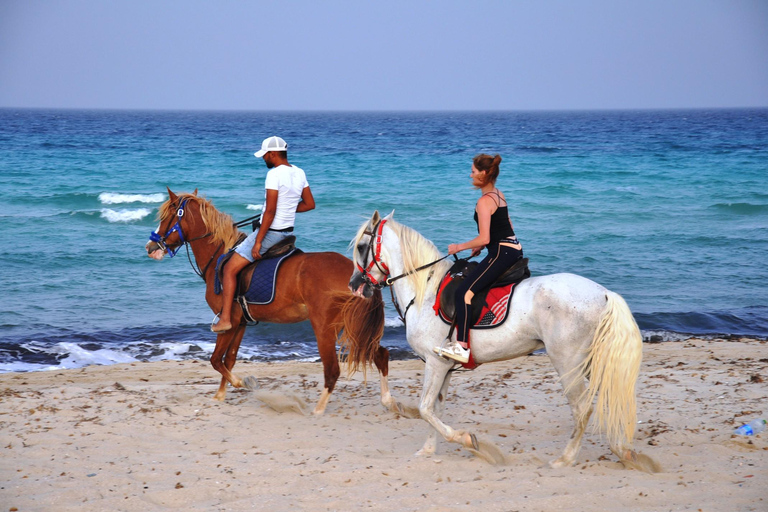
<point x="176" y="228"/>
<point x="376" y="260"/>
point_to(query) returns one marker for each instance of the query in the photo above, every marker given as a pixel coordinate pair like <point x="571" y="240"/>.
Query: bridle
<point x="376" y="260"/>
<point x="176" y="228"/>
<point x="384" y="269"/>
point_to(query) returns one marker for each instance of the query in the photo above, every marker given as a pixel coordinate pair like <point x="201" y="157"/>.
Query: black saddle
<point x="459" y="272"/>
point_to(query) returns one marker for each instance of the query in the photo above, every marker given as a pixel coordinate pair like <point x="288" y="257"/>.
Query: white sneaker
<point x="454" y="351"/>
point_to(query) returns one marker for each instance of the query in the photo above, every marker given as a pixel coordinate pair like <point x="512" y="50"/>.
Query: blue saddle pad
<point x="262" y="287"/>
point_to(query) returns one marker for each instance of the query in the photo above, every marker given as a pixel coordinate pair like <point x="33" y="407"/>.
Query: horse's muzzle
<point x="359" y="287"/>
<point x="154" y="250"/>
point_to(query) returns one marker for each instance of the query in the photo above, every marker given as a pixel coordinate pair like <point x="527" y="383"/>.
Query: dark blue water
<point x="667" y="208"/>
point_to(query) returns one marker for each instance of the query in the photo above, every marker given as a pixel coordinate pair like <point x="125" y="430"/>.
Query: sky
<point x="383" y="55"/>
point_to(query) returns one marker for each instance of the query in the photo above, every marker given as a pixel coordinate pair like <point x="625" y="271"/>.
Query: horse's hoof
<point x="559" y="463"/>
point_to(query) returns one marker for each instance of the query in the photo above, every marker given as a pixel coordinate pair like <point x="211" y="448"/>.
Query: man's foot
<point x="221" y="326"/>
<point x="454" y="351"/>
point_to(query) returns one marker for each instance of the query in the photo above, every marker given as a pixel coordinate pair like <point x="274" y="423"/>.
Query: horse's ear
<point x="194" y="193"/>
<point x="171" y="194"/>
<point x="391" y="214"/>
<point x="376" y="218"/>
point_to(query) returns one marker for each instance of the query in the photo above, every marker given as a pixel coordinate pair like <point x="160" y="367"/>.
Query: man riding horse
<point x="287" y="192"/>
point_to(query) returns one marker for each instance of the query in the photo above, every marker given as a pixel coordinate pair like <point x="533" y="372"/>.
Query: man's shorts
<point x="271" y="238"/>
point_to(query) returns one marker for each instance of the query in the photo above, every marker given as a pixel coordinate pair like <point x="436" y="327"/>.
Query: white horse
<point x="588" y="333"/>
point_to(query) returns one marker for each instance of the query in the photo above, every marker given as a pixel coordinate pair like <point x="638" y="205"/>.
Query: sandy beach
<point x="148" y="436"/>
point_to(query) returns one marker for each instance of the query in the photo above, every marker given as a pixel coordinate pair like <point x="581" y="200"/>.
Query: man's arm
<point x="267" y="216"/>
<point x="307" y="201"/>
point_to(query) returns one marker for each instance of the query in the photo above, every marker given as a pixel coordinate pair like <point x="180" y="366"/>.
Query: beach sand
<point x="148" y="436"/>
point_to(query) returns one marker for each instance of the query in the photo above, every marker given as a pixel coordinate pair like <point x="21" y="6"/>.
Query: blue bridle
<point x="176" y="228"/>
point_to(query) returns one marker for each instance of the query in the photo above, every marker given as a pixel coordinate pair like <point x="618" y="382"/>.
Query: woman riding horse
<point x="588" y="332"/>
<point x="494" y="232"/>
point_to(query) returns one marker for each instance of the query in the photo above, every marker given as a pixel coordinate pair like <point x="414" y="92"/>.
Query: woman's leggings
<point x="499" y="259"/>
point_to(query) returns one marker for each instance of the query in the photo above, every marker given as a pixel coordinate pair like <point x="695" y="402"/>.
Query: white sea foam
<point x="115" y="198"/>
<point x="393" y="321"/>
<point x="125" y="215"/>
<point x="256" y="207"/>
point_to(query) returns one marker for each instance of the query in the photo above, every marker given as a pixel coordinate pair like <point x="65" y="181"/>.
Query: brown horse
<point x="309" y="286"/>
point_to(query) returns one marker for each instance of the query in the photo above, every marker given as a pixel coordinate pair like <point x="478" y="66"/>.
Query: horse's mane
<point x="416" y="251"/>
<point x="219" y="224"/>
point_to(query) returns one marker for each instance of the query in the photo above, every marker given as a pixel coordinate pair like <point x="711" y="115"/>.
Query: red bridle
<point x="375" y="259"/>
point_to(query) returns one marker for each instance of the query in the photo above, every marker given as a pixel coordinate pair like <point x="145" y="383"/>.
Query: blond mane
<point x="219" y="224"/>
<point x="416" y="251"/>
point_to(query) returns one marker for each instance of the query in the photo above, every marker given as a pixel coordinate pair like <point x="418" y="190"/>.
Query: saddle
<point x="459" y="271"/>
<point x="282" y="247"/>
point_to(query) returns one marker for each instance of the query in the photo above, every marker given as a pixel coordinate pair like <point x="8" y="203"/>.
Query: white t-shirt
<point x="289" y="181"/>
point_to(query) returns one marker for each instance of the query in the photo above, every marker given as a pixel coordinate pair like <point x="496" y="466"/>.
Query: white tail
<point x="612" y="367"/>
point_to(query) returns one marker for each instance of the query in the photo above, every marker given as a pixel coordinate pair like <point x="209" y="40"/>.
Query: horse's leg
<point x="573" y="384"/>
<point x="436" y="380"/>
<point x="381" y="360"/>
<point x="430" y="445"/>
<point x="326" y="345"/>
<point x="224" y="342"/>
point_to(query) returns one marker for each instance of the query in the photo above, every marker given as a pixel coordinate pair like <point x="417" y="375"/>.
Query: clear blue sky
<point x="383" y="55"/>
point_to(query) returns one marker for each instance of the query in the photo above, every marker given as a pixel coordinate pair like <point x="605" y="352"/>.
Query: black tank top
<point x="500" y="226"/>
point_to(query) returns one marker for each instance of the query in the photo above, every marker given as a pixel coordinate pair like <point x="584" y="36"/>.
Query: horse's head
<point x="371" y="272"/>
<point x="170" y="236"/>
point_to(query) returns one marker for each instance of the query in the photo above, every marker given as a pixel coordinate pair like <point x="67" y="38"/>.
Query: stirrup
<point x="453" y="351"/>
<point x="216" y="322"/>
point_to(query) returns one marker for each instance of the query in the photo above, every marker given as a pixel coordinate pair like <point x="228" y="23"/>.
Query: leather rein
<point x="375" y="254"/>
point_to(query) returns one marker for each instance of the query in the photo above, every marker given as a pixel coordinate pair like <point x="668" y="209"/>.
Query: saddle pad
<point x="494" y="310"/>
<point x="262" y="287"/>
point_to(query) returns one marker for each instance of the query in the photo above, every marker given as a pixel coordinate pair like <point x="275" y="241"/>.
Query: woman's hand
<point x="476" y="251"/>
<point x="454" y="248"/>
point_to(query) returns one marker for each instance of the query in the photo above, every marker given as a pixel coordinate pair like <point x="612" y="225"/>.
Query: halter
<point x="375" y="259"/>
<point x="176" y="228"/>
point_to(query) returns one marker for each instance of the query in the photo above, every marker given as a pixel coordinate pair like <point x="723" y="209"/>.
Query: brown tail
<point x="362" y="326"/>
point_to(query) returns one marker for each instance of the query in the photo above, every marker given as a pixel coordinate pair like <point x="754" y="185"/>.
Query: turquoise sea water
<point x="667" y="208"/>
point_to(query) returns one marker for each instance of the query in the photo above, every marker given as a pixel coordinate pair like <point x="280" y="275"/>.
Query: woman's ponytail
<point x="489" y="164"/>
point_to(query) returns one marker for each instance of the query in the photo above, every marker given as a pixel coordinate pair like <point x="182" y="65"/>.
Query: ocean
<point x="667" y="208"/>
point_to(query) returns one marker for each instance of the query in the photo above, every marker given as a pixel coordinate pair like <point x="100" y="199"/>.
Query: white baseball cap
<point x="273" y="143"/>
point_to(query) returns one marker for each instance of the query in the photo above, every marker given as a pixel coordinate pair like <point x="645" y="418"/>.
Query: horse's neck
<point x="206" y="254"/>
<point x="404" y="289"/>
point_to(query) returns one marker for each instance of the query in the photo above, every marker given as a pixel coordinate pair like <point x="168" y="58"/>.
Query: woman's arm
<point x="484" y="211"/>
